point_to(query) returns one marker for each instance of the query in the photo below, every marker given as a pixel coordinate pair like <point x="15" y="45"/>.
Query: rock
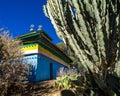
<point x="67" y="93"/>
<point x="62" y="93"/>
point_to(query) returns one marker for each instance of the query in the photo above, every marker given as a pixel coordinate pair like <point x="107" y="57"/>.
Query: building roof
<point x="45" y="41"/>
<point x="34" y="34"/>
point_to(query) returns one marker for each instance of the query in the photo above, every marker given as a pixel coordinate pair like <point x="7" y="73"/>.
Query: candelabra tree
<point x="91" y="28"/>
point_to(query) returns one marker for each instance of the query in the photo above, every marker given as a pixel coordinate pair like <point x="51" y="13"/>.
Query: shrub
<point x="65" y="78"/>
<point x="13" y="74"/>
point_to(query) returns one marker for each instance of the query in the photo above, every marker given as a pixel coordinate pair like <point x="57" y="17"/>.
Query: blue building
<point x="45" y="57"/>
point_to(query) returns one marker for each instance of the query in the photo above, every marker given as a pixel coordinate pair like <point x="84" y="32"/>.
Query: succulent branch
<point x="91" y="28"/>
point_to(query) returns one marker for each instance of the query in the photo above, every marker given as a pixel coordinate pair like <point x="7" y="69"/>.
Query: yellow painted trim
<point x="26" y="48"/>
<point x="43" y="50"/>
<point x="50" y="54"/>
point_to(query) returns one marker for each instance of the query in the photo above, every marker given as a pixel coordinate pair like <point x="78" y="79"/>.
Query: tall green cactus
<point x="91" y="28"/>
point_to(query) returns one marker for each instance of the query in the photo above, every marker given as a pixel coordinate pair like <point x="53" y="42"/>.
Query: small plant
<point x="91" y="28"/>
<point x="66" y="78"/>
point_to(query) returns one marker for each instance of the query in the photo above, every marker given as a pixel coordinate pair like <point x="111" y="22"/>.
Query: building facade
<point x="45" y="57"/>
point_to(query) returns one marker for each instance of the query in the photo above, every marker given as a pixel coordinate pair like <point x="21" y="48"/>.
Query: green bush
<point x="66" y="80"/>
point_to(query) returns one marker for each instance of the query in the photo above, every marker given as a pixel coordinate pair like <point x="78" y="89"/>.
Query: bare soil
<point x="44" y="88"/>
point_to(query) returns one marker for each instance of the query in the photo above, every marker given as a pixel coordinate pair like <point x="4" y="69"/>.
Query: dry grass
<point x="44" y="88"/>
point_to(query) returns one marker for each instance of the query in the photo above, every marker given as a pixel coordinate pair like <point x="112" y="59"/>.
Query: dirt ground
<point x="44" y="88"/>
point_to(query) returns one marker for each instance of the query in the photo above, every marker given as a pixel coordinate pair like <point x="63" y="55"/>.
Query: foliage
<point x="89" y="84"/>
<point x="94" y="85"/>
<point x="91" y="28"/>
<point x="65" y="78"/>
<point x="13" y="74"/>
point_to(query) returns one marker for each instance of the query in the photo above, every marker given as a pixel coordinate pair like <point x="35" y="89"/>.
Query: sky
<point x="17" y="16"/>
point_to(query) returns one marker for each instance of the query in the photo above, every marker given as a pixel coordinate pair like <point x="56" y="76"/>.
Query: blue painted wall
<point x="32" y="60"/>
<point x="43" y="68"/>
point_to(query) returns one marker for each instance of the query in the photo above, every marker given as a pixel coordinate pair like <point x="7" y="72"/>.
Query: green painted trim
<point x="46" y="35"/>
<point x="54" y="52"/>
<point x="27" y="45"/>
<point x="32" y="34"/>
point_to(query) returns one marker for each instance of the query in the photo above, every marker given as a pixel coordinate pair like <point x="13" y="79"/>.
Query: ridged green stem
<point x="90" y="27"/>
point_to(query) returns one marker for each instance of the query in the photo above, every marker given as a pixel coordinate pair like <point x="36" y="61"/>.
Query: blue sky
<point x="17" y="16"/>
